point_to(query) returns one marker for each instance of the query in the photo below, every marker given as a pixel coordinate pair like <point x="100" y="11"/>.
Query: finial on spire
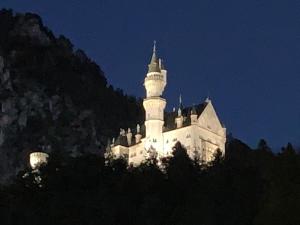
<point x="208" y="97"/>
<point x="180" y="102"/>
<point x="207" y="100"/>
<point x="154" y="58"/>
<point x="154" y="46"/>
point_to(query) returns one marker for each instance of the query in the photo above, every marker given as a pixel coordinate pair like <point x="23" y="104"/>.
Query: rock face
<point x="52" y="97"/>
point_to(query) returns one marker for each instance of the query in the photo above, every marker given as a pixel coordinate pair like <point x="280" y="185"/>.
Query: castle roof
<point x="194" y="111"/>
<point x="154" y="63"/>
<point x="186" y="112"/>
<point x="121" y="140"/>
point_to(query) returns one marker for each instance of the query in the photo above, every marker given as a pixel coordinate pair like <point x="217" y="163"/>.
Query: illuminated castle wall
<point x="36" y="159"/>
<point x="197" y="128"/>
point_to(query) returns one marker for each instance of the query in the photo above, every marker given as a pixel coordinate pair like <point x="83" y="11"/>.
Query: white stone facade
<point x="198" y="129"/>
<point x="37" y="159"/>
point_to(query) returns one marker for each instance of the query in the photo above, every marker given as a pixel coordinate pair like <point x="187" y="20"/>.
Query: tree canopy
<point x="246" y="187"/>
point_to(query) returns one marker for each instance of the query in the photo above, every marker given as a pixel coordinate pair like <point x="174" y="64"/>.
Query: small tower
<point x="154" y="104"/>
<point x="129" y="136"/>
<point x="37" y="159"/>
<point x="194" y="115"/>
<point x="138" y="135"/>
<point x="179" y="118"/>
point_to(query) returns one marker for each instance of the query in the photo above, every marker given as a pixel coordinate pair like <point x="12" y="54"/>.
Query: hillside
<point x="53" y="97"/>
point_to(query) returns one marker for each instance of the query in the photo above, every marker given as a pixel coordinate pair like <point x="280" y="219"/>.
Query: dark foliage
<point x="246" y="187"/>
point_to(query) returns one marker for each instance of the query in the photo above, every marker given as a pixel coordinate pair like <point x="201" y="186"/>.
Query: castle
<point x="197" y="128"/>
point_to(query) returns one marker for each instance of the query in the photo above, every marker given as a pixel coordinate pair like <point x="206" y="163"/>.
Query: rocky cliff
<point x="53" y="97"/>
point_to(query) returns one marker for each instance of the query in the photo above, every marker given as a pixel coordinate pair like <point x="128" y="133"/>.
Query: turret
<point x="129" y="136"/>
<point x="179" y="118"/>
<point x="138" y="135"/>
<point x="194" y="115"/>
<point x="37" y="159"/>
<point x="163" y="70"/>
<point x="155" y="82"/>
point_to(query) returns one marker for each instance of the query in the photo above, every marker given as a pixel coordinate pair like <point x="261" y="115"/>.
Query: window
<point x="174" y="139"/>
<point x="133" y="155"/>
<point x="188" y="136"/>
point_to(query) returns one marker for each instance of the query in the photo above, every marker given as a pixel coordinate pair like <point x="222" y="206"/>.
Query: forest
<point x="247" y="186"/>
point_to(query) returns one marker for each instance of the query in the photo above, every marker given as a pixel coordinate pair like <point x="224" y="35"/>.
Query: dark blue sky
<point x="245" y="54"/>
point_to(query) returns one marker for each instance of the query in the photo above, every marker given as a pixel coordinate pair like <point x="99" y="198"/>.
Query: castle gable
<point x="208" y="119"/>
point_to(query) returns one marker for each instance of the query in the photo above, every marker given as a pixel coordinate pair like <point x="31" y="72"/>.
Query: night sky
<point x="244" y="54"/>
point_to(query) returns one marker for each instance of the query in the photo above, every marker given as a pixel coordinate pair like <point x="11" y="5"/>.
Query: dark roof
<point x="186" y="112"/>
<point x="154" y="63"/>
<point x="154" y="66"/>
<point x="122" y="140"/>
<point x="194" y="111"/>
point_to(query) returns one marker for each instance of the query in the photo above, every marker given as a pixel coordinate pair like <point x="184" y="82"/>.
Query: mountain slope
<point x="52" y="96"/>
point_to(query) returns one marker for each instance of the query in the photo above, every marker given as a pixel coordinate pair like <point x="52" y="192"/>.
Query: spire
<point x="154" y="58"/>
<point x="154" y="64"/>
<point x="194" y="111"/>
<point x="180" y="102"/>
<point x="180" y="107"/>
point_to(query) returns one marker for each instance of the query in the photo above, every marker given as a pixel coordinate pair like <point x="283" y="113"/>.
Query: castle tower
<point x="154" y="104"/>
<point x="36" y="159"/>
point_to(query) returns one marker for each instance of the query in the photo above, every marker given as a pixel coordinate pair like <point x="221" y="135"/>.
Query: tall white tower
<point x="154" y="104"/>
